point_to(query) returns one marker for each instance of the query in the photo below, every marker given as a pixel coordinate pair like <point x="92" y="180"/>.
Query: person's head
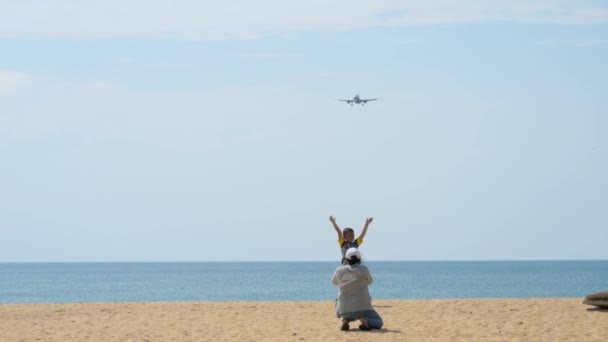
<point x="349" y="234"/>
<point x="353" y="256"/>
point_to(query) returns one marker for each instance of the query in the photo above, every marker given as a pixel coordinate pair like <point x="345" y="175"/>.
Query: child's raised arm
<point x="368" y="221"/>
<point x="338" y="230"/>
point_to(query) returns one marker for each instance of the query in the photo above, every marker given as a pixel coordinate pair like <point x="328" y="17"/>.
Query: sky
<point x="210" y="131"/>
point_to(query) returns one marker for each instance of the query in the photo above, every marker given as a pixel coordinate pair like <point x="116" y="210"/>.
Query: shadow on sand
<point x="391" y="331"/>
<point x="376" y="331"/>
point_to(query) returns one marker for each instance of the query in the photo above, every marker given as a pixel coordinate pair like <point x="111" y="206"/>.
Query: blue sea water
<point x="293" y="281"/>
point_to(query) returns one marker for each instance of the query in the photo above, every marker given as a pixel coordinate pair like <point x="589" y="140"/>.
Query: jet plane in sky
<point x="357" y="100"/>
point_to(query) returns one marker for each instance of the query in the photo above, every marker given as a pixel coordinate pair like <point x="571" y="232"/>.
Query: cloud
<point x="11" y="80"/>
<point x="120" y="60"/>
<point x="592" y="42"/>
<point x="104" y="110"/>
<point x="270" y="55"/>
<point x="102" y="85"/>
<point x="574" y="42"/>
<point x="408" y="41"/>
<point x="124" y="61"/>
<point x="240" y="19"/>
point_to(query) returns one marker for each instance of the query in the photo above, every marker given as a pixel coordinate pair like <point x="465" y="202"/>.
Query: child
<point x="347" y="239"/>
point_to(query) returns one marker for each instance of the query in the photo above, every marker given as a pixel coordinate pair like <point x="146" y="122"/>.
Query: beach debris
<point x="599" y="299"/>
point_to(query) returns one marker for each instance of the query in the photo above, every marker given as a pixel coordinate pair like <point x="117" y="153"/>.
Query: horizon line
<point x="279" y="261"/>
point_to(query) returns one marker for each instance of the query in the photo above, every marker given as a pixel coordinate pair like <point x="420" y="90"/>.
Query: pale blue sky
<point x="133" y="131"/>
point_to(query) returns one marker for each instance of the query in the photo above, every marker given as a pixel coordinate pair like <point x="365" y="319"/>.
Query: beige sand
<point x="405" y="320"/>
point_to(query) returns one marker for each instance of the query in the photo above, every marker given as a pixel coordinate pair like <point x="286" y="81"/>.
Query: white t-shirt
<point x="353" y="283"/>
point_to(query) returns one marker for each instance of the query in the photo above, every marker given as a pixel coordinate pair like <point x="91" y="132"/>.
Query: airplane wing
<point x="365" y="100"/>
<point x="347" y="101"/>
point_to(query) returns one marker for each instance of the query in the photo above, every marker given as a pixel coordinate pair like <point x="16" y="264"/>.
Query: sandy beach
<point x="405" y="320"/>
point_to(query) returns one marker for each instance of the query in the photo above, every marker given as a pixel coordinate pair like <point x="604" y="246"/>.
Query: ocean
<point x="293" y="281"/>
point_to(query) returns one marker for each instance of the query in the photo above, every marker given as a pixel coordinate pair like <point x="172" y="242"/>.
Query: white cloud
<point x="270" y="55"/>
<point x="592" y="42"/>
<point x="409" y="41"/>
<point x="240" y="19"/>
<point x="120" y="60"/>
<point x="105" y="110"/>
<point x="128" y="61"/>
<point x="574" y="42"/>
<point x="10" y="80"/>
<point x="102" y="85"/>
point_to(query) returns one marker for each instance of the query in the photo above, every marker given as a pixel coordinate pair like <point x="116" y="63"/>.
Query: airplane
<point x="357" y="100"/>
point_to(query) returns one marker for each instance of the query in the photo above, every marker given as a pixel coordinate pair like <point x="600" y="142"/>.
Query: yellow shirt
<point x="344" y="246"/>
<point x="359" y="242"/>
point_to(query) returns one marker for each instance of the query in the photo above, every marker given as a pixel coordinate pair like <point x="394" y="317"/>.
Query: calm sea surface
<point x="293" y="281"/>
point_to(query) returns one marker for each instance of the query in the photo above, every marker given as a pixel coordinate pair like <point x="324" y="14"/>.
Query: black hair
<point x="348" y="230"/>
<point x="353" y="260"/>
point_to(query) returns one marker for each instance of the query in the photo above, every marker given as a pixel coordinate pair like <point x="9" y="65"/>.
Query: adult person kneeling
<point x="354" y="302"/>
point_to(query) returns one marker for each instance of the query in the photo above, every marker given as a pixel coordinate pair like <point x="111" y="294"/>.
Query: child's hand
<point x="332" y="219"/>
<point x="369" y="220"/>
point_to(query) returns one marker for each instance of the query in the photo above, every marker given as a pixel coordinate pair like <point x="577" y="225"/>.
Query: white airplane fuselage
<point x="358" y="100"/>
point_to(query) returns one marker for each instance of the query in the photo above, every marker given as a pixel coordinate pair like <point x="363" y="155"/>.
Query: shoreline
<point x="290" y="301"/>
<point x="488" y="319"/>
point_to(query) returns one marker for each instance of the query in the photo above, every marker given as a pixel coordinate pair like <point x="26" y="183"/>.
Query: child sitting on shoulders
<point x="346" y="237"/>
